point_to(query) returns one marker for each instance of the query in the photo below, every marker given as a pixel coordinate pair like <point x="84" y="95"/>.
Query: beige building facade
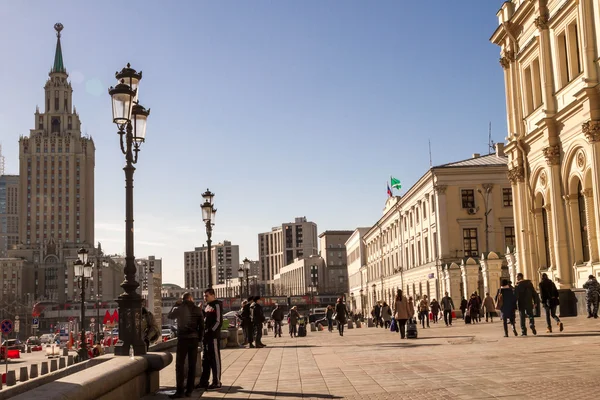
<point x="333" y="251"/>
<point x="9" y="213"/>
<point x="549" y="54"/>
<point x="451" y="216"/>
<point x="284" y="244"/>
<point x="225" y="259"/>
<point x="356" y="259"/>
<point x="296" y="279"/>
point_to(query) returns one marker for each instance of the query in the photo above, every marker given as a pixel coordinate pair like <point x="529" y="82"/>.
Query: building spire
<point x="58" y="58"/>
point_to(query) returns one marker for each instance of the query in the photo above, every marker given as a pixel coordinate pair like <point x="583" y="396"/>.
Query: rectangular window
<point x="470" y="242"/>
<point x="573" y="51"/>
<point x="528" y="90"/>
<point x="536" y="84"/>
<point x="509" y="236"/>
<point x="468" y="198"/>
<point x="507" y="197"/>
<point x="56" y="100"/>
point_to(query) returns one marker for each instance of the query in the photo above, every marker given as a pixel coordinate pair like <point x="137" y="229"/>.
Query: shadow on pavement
<point x="574" y="334"/>
<point x="406" y="344"/>
<point x="254" y="393"/>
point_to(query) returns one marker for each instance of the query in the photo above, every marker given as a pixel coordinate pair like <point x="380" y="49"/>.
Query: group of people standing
<point x="194" y="326"/>
<point x="252" y="316"/>
<point x="339" y="314"/>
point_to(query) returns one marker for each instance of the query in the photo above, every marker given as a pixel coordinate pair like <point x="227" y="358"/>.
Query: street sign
<point x="6" y="326"/>
<point x="17" y="325"/>
<point x="36" y="323"/>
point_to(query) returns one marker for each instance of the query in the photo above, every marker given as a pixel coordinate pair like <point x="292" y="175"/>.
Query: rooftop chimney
<point x="476" y="155"/>
<point x="500" y="149"/>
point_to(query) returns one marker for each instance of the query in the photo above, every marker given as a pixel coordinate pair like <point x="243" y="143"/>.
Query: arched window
<point x="55" y="125"/>
<point x="546" y="235"/>
<point x="585" y="245"/>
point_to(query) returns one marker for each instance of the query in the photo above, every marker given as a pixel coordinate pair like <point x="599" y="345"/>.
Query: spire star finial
<point x="58" y="27"/>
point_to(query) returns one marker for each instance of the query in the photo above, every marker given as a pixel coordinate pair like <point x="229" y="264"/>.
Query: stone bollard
<point x="370" y="323"/>
<point x="11" y="378"/>
<point x="265" y="331"/>
<point x="313" y="327"/>
<point x="23" y="377"/>
<point x="65" y="352"/>
<point x="70" y="360"/>
<point x="233" y="339"/>
<point x="29" y="349"/>
<point x="358" y="324"/>
<point x="53" y="365"/>
<point x="350" y="325"/>
<point x="62" y="362"/>
<point x="44" y="370"/>
<point x="34" y="371"/>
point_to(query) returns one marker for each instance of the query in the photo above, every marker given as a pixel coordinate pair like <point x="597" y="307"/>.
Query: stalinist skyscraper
<point x="56" y="190"/>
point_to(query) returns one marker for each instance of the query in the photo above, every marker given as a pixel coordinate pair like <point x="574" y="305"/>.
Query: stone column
<point x="586" y="28"/>
<point x="574" y="233"/>
<point x="470" y="276"/>
<point x="525" y="248"/>
<point x="546" y="62"/>
<point x="491" y="269"/>
<point x="453" y="281"/>
<point x="591" y="223"/>
<point x="591" y="130"/>
<point x="557" y="217"/>
<point x="511" y="260"/>
<point x="442" y="219"/>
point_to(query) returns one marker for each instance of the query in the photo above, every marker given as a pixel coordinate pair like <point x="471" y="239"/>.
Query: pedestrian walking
<point x="258" y="319"/>
<point x="473" y="307"/>
<point x="489" y="307"/>
<point x="411" y="309"/>
<point x="386" y="315"/>
<point x="150" y="331"/>
<point x="329" y="317"/>
<point x="190" y="328"/>
<point x="507" y="303"/>
<point x="549" y="294"/>
<point x="293" y="321"/>
<point x="424" y="311"/>
<point x="402" y="312"/>
<point x="377" y="314"/>
<point x="341" y="315"/>
<point x="211" y="343"/>
<point x="447" y="306"/>
<point x="463" y="307"/>
<point x="527" y="298"/>
<point x="435" y="310"/>
<point x="592" y="296"/>
<point x="277" y="317"/>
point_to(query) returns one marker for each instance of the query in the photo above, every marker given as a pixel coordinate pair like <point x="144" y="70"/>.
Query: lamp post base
<point x="130" y="326"/>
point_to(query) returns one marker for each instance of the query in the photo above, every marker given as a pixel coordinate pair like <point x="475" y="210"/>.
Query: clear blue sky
<point x="281" y="108"/>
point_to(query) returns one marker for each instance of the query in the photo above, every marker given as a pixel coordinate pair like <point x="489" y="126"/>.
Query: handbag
<point x="499" y="302"/>
<point x="393" y="325"/>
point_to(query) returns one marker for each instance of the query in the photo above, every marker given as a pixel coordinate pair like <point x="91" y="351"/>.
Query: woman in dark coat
<point x="340" y="315"/>
<point x="507" y="303"/>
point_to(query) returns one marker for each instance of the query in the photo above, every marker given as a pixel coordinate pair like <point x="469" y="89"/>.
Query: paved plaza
<point x="459" y="362"/>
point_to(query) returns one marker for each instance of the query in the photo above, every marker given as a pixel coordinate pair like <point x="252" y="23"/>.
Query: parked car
<point x="33" y="341"/>
<point x="47" y="338"/>
<point x="167" y="334"/>
<point x="172" y="328"/>
<point x="14" y="344"/>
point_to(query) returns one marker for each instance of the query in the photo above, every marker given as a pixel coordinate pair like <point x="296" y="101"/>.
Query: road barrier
<point x="23" y="376"/>
<point x="44" y="370"/>
<point x="33" y="373"/>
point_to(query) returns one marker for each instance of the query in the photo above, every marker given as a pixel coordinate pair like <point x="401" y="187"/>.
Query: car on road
<point x="33" y="341"/>
<point x="14" y="344"/>
<point x="167" y="334"/>
<point x="47" y="338"/>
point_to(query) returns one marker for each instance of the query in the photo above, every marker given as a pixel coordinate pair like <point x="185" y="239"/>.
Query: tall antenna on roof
<point x="490" y="141"/>
<point x="430" y="163"/>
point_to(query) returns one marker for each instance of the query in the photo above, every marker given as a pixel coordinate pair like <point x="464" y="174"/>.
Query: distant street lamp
<point x="485" y="197"/>
<point x="208" y="216"/>
<point x="362" y="302"/>
<point x="352" y="306"/>
<point x="82" y="269"/>
<point x="374" y="294"/>
<point x="247" y="272"/>
<point x="130" y="118"/>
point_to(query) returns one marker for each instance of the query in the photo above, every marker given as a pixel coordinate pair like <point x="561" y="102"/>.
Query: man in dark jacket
<point x="527" y="297"/>
<point x="211" y="345"/>
<point x="190" y="328"/>
<point x="277" y="317"/>
<point x="549" y="294"/>
<point x="447" y="306"/>
<point x="258" y="318"/>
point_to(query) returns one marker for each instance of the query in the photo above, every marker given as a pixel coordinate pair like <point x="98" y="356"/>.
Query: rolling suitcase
<point x="302" y="330"/>
<point x="467" y="319"/>
<point x="411" y="329"/>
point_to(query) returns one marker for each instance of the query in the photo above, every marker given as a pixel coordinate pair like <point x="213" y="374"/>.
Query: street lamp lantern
<point x="208" y="213"/>
<point x="208" y="196"/>
<point x="140" y="118"/>
<point x="130" y="77"/>
<point x="78" y="268"/>
<point x="131" y="119"/>
<point x="87" y="270"/>
<point x="240" y="272"/>
<point x="82" y="254"/>
<point x="122" y="102"/>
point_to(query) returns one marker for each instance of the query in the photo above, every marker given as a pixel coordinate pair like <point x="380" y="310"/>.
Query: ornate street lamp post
<point x="208" y="216"/>
<point x="247" y="272"/>
<point x="241" y="279"/>
<point x="131" y="118"/>
<point x="83" y="270"/>
<point x="362" y="302"/>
